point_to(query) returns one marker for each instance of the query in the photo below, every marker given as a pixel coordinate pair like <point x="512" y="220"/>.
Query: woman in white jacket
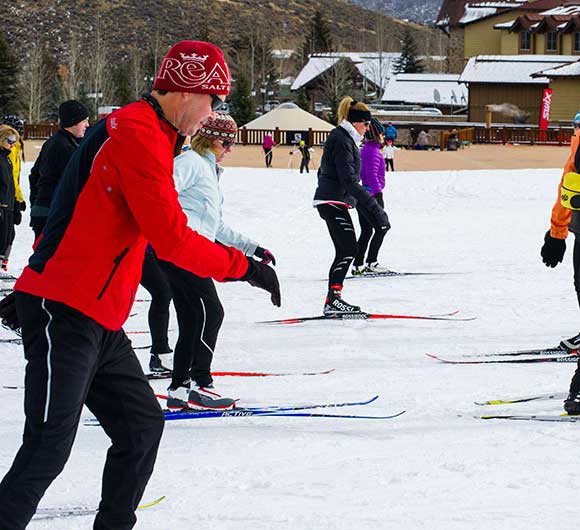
<point x="197" y="305"/>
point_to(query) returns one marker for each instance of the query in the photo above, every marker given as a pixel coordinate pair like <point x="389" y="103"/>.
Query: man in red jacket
<point x="116" y="194"/>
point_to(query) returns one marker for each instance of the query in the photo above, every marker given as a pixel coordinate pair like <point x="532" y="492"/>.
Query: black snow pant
<point x="7" y="233"/>
<point x="366" y="233"/>
<point x="268" y="156"/>
<point x="155" y="281"/>
<point x="71" y="361"/>
<point x="575" y="384"/>
<point x="304" y="165"/>
<point x="390" y="162"/>
<point x="343" y="237"/>
<point x="199" y="316"/>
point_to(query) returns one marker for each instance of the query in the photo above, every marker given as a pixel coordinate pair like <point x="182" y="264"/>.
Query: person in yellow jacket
<point x="563" y="221"/>
<point x="17" y="157"/>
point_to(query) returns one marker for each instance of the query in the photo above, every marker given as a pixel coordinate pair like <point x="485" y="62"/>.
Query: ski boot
<point x="335" y="304"/>
<point x="188" y="396"/>
<point x="357" y="270"/>
<point x="572" y="402"/>
<point x="375" y="268"/>
<point x="571" y="344"/>
<point x="155" y="364"/>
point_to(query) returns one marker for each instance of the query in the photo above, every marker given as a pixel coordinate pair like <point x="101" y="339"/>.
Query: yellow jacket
<point x="561" y="216"/>
<point x="16" y="158"/>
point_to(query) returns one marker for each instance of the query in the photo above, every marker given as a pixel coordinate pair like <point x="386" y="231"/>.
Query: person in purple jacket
<point x="372" y="175"/>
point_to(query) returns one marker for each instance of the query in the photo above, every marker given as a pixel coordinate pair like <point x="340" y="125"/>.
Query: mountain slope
<point x="423" y="11"/>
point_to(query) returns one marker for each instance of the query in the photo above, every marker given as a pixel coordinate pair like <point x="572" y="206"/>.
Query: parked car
<point x="271" y="104"/>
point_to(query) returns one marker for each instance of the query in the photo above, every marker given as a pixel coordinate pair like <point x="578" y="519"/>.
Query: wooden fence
<point x="39" y="131"/>
<point x="464" y="136"/>
<point x="531" y="136"/>
<point x="256" y="136"/>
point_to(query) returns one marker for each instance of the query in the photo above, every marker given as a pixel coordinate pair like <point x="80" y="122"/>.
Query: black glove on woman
<point x="8" y="313"/>
<point x="552" y="250"/>
<point x="264" y="277"/>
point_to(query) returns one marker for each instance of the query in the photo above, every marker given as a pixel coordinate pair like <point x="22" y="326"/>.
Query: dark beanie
<point x="72" y="112"/>
<point x="356" y="115"/>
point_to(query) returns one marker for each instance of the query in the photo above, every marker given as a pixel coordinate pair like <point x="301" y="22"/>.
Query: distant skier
<point x="390" y="132"/>
<point x="339" y="190"/>
<point x="562" y="221"/>
<point x="390" y="155"/>
<point x="8" y="139"/>
<point x="268" y="145"/>
<point x="304" y="149"/>
<point x="372" y="175"/>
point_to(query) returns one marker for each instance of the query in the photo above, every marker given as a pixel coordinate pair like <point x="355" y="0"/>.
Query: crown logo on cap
<point x="194" y="57"/>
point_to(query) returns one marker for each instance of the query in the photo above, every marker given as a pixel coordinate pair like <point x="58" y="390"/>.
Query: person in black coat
<point x="8" y="138"/>
<point x="339" y="190"/>
<point x="53" y="158"/>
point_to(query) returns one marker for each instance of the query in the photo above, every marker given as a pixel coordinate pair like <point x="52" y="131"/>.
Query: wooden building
<point x="506" y="82"/>
<point x="565" y="83"/>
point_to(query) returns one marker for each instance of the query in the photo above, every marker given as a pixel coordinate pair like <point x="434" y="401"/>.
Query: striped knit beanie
<point x="375" y="130"/>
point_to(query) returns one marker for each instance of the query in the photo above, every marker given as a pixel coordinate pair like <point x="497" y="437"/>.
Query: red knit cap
<point x="224" y="127"/>
<point x="194" y="66"/>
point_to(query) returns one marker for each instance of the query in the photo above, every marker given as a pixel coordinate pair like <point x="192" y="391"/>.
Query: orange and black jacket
<point x="115" y="195"/>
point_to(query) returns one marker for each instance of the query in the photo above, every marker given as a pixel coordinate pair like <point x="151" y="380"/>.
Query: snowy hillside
<point x="436" y="467"/>
<point x="424" y="11"/>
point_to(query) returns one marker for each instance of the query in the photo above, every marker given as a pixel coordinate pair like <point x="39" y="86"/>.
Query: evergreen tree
<point x="302" y="100"/>
<point x="408" y="63"/>
<point x="243" y="107"/>
<point x="318" y="39"/>
<point x="122" y="85"/>
<point x="8" y="79"/>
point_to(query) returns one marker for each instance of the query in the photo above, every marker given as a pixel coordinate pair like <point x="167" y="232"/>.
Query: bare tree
<point x="337" y="82"/>
<point x="137" y="75"/>
<point x="100" y="82"/>
<point x="71" y="73"/>
<point x="34" y="82"/>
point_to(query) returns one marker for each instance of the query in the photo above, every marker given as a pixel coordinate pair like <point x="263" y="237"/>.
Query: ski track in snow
<point x="436" y="467"/>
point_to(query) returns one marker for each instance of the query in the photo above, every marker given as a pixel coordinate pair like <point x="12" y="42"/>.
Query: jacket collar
<point x="349" y="128"/>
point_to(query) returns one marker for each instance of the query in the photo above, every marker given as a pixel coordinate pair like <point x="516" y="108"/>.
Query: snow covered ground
<point x="435" y="467"/>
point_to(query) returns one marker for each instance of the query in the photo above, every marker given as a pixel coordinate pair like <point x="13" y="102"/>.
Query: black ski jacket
<point x="49" y="167"/>
<point x="338" y="177"/>
<point x="7" y="191"/>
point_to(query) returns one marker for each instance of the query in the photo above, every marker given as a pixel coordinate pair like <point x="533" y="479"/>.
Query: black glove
<point x="378" y="217"/>
<point x="17" y="216"/>
<point x="21" y="205"/>
<point x="553" y="250"/>
<point x="264" y="277"/>
<point x="8" y="312"/>
<point x="265" y="255"/>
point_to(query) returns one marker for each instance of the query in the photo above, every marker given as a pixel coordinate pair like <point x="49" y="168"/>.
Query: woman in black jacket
<point x="338" y="191"/>
<point x="8" y="139"/>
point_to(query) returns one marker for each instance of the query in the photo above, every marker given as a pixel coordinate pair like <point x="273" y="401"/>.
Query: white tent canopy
<point x="289" y="117"/>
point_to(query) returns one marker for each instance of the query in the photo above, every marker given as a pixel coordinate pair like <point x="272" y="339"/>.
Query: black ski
<point x="572" y="358"/>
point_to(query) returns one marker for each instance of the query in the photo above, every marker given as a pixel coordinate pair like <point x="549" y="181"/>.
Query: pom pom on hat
<point x="224" y="127"/>
<point x="194" y="66"/>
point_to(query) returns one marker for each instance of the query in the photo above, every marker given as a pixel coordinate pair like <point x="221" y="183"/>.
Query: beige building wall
<point x="565" y="98"/>
<point x="482" y="39"/>
<point x="526" y="97"/>
<point x="510" y="43"/>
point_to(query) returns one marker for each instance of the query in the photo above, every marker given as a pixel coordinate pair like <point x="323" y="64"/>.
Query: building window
<point x="577" y="42"/>
<point x="525" y="41"/>
<point x="551" y="41"/>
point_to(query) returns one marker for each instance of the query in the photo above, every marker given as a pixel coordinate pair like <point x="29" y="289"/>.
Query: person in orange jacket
<point x="563" y="221"/>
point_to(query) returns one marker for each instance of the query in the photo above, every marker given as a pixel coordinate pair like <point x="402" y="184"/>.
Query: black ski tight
<point x="199" y="316"/>
<point x="154" y="280"/>
<point x="343" y="237"/>
<point x="366" y="228"/>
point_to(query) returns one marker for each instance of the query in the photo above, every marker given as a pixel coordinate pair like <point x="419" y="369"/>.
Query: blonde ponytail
<point x="345" y="105"/>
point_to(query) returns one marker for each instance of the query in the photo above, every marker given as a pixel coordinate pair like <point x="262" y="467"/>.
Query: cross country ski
<point x="560" y="418"/>
<point x="572" y="358"/>
<point x="366" y="316"/>
<point x="524" y="399"/>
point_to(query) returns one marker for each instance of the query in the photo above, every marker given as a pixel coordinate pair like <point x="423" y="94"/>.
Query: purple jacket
<point x="372" y="167"/>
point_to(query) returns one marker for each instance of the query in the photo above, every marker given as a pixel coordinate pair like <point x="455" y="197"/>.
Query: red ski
<point x="368" y="316"/>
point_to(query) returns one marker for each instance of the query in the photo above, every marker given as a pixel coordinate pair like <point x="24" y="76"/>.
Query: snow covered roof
<point x="563" y="11"/>
<point x="511" y="68"/>
<point x="504" y="25"/>
<point x="289" y="118"/>
<point x="426" y="89"/>
<point x="371" y="65"/>
<point x="374" y="66"/>
<point x="567" y="70"/>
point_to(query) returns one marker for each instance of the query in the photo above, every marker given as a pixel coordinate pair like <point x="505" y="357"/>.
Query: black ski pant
<point x="155" y="281"/>
<point x="7" y="232"/>
<point x="390" y="162"/>
<point x="366" y="232"/>
<point x="268" y="156"/>
<point x="304" y="165"/>
<point x="343" y="237"/>
<point x="71" y="361"/>
<point x="199" y="316"/>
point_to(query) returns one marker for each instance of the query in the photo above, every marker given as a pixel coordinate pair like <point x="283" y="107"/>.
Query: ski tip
<point x="152" y="503"/>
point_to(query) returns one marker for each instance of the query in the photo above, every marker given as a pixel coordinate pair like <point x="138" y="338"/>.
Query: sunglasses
<point x="367" y="123"/>
<point x="228" y="143"/>
<point x="10" y="142"/>
<point x="216" y="103"/>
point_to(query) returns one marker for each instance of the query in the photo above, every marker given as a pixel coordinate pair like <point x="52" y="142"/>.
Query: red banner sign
<point x="546" y="106"/>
